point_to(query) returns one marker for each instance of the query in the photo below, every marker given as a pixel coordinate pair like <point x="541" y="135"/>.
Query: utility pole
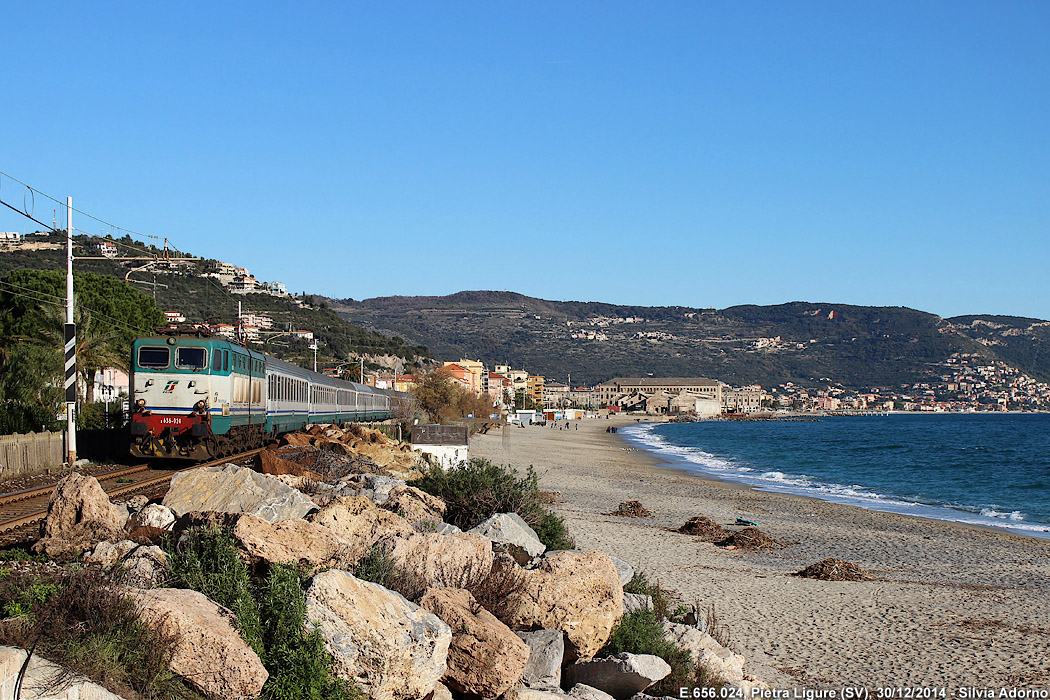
<point x="313" y="347"/>
<point x="362" y="369"/>
<point x="71" y="344"/>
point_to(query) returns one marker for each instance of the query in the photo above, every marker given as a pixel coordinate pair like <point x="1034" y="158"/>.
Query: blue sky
<point x="692" y="153"/>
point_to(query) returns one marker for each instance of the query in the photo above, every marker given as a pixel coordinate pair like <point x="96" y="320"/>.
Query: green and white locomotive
<point x="197" y="397"/>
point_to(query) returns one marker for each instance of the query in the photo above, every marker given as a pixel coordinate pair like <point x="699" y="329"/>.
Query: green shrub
<point x="477" y="489"/>
<point x="378" y="567"/>
<point x="552" y="533"/>
<point x="300" y="667"/>
<point x="206" y="560"/>
<point x="271" y="617"/>
<point x="21" y="554"/>
<point x="665" y="602"/>
<point x="642" y="632"/>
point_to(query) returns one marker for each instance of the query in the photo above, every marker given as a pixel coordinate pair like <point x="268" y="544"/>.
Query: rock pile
<point x="486" y="613"/>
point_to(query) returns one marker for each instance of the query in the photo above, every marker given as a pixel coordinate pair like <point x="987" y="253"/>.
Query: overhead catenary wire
<point x="78" y="211"/>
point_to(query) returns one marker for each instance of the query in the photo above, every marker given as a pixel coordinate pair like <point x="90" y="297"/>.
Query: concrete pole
<point x="71" y="344"/>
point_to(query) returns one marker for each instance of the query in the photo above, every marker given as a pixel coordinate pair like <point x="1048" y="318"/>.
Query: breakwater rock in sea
<point x="408" y="606"/>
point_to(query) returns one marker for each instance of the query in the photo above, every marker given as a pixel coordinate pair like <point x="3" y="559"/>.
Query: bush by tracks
<point x="476" y="489"/>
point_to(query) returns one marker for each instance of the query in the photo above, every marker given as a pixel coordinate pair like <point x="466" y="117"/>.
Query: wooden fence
<point x="30" y="454"/>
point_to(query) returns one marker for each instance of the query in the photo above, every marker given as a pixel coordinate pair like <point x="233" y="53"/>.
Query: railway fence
<point x="31" y="454"/>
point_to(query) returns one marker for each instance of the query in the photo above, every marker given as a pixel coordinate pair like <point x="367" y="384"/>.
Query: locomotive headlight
<point x="140" y="402"/>
<point x="171" y="341"/>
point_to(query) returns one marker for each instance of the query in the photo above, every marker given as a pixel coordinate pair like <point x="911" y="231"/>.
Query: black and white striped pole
<point x="71" y="344"/>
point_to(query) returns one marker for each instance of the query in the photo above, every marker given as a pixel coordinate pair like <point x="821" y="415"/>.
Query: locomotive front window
<point x="153" y="357"/>
<point x="191" y="358"/>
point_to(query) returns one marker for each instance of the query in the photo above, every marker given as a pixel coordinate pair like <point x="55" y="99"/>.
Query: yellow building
<point x="477" y="369"/>
<point x="534" y="388"/>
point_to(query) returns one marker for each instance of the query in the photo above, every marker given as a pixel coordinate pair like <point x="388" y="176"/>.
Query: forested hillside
<point x="802" y="342"/>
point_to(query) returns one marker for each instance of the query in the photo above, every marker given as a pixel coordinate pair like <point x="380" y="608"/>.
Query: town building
<point x="107" y="249"/>
<point x="701" y="387"/>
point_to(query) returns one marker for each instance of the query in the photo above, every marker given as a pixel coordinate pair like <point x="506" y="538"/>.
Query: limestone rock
<point x="140" y="566"/>
<point x="153" y="515"/>
<point x="620" y="675"/>
<point x="441" y="692"/>
<point x="79" y="516"/>
<point x="485" y="658"/>
<point x="39" y="681"/>
<point x="414" y="505"/>
<point x="377" y="488"/>
<point x="209" y="653"/>
<point x="290" y="541"/>
<point x="233" y="489"/>
<point x="430" y="560"/>
<point x="636" y="601"/>
<point x="581" y="691"/>
<point x="438" y="526"/>
<point x="393" y="648"/>
<point x="712" y="656"/>
<point x="137" y="503"/>
<point x="546" y="651"/>
<point x="578" y="593"/>
<point x="295" y="440"/>
<point x="270" y="463"/>
<point x="509" y="532"/>
<point x="361" y="524"/>
<point x="623" y="569"/>
<point x="532" y="694"/>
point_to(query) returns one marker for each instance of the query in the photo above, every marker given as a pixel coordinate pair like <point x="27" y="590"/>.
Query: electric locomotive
<point x="196" y="397"/>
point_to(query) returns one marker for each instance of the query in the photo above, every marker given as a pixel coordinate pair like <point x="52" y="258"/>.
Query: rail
<point x="21" y="508"/>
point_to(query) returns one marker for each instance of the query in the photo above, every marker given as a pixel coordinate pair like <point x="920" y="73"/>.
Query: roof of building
<point x="662" y="381"/>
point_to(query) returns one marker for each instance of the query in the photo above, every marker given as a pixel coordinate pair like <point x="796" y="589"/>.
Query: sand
<point x="951" y="606"/>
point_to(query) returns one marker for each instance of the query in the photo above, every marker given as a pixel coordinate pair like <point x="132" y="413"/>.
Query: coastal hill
<point x="802" y="342"/>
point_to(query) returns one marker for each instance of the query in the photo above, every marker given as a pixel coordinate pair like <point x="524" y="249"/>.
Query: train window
<point x="216" y="360"/>
<point x="191" y="358"/>
<point x="225" y="360"/>
<point x="153" y="357"/>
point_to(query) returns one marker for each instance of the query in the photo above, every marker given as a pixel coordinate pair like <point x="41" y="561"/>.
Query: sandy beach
<point x="951" y="607"/>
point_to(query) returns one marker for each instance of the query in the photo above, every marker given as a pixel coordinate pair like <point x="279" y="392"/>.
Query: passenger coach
<point x="199" y="398"/>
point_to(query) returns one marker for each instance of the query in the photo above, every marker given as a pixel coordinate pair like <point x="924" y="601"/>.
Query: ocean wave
<point x="730" y="469"/>
<point x="993" y="513"/>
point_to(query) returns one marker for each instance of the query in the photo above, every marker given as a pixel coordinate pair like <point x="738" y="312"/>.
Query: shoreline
<point x="952" y="605"/>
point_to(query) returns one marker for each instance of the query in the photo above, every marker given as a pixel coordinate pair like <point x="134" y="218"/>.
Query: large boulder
<point x="532" y="694"/>
<point x="430" y="560"/>
<point x="233" y="489"/>
<point x="510" y="533"/>
<point x="621" y="675"/>
<point x="289" y="542"/>
<point x="153" y="515"/>
<point x="414" y="505"/>
<point x="582" y="691"/>
<point x="39" y="680"/>
<point x="360" y="523"/>
<point x="393" y="648"/>
<point x="269" y="462"/>
<point x="79" y="516"/>
<point x="714" y="658"/>
<point x="209" y="653"/>
<point x="485" y="658"/>
<point x="578" y="593"/>
<point x="546" y="651"/>
<point x="137" y="565"/>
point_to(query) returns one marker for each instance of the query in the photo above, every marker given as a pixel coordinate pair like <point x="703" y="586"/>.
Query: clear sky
<point x="656" y="153"/>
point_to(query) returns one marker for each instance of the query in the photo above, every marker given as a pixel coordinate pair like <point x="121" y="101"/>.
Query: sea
<point x="987" y="469"/>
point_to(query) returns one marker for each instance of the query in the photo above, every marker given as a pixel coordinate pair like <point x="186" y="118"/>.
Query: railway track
<point x="20" y="509"/>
